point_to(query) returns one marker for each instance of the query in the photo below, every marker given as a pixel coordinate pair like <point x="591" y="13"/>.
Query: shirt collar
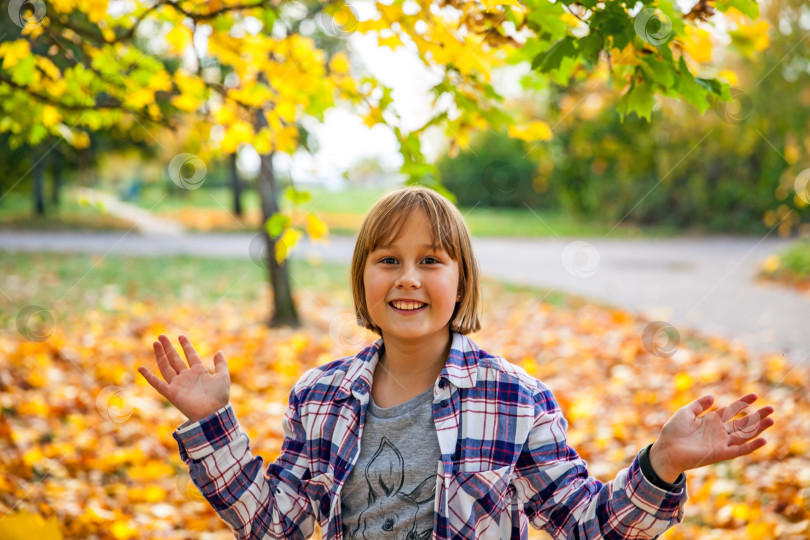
<point x="460" y="369"/>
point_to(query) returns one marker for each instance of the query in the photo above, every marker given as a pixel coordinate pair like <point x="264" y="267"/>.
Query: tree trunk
<point x="284" y="309"/>
<point x="39" y="198"/>
<point x="56" y="186"/>
<point x="236" y="187"/>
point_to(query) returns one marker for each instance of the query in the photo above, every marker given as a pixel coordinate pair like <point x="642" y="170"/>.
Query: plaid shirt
<point x="505" y="462"/>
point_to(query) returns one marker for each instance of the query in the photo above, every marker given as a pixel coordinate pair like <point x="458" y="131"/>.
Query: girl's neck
<point x="412" y="365"/>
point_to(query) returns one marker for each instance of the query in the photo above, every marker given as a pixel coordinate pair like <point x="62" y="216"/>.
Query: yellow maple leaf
<point x="316" y="228"/>
<point x="237" y="133"/>
<point x="626" y="56"/>
<point x="285" y="244"/>
<point x="698" y="44"/>
<point x="50" y="116"/>
<point x="757" y="34"/>
<point x="339" y="63"/>
<point x="185" y="102"/>
<point x="534" y="131"/>
<point x="95" y="9"/>
<point x="179" y="37"/>
<point x="13" y="51"/>
<point x="392" y="41"/>
<point x="729" y="76"/>
<point x="24" y="526"/>
<point x="285" y="110"/>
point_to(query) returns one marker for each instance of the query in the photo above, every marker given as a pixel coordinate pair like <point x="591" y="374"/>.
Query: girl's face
<point x="410" y="274"/>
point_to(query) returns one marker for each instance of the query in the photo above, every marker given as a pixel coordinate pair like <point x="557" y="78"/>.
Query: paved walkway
<point x="143" y="221"/>
<point x="703" y="283"/>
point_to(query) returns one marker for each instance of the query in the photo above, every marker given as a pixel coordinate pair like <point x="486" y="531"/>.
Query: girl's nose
<point x="408" y="278"/>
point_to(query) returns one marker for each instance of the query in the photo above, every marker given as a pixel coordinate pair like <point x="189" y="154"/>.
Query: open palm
<point x="191" y="388"/>
<point x="689" y="441"/>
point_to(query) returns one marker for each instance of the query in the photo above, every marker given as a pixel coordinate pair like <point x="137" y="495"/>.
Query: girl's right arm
<point x="217" y="452"/>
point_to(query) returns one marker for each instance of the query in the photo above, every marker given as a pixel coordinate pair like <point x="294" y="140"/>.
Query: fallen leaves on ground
<point x="85" y="441"/>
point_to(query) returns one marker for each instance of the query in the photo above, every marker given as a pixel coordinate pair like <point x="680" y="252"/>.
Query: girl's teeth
<point x="407" y="306"/>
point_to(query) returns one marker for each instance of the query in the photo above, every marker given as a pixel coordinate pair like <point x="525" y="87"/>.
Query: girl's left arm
<point x="560" y="497"/>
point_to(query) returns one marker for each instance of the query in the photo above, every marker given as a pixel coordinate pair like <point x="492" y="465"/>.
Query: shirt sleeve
<point x="255" y="505"/>
<point x="559" y="496"/>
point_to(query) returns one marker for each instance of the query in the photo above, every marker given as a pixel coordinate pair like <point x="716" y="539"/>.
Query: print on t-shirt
<point x="385" y="474"/>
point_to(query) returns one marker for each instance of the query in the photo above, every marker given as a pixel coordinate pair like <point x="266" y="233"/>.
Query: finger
<point x="154" y="381"/>
<point x="730" y="411"/>
<point x="165" y="368"/>
<point x="700" y="404"/>
<point x="174" y="359"/>
<point x="745" y="449"/>
<point x="188" y="349"/>
<point x="220" y="364"/>
<point x="740" y="436"/>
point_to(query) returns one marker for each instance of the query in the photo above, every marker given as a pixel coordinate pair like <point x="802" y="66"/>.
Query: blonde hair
<point x="383" y="223"/>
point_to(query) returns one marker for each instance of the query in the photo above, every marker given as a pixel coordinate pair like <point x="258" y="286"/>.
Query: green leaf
<point x="675" y="16"/>
<point x="551" y="59"/>
<point x="639" y="99"/>
<point x="544" y="19"/>
<point x="38" y="132"/>
<point x="277" y="224"/>
<point x="297" y="197"/>
<point x="660" y="72"/>
<point x="689" y="89"/>
<point x="747" y="7"/>
<point x="716" y="87"/>
<point x="23" y="71"/>
<point x="590" y="46"/>
<point x="613" y="21"/>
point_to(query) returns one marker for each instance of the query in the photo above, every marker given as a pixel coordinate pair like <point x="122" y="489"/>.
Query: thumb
<point x="220" y="364"/>
<point x="700" y="404"/>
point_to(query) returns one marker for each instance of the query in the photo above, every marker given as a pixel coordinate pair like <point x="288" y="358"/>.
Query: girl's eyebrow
<point x="426" y="246"/>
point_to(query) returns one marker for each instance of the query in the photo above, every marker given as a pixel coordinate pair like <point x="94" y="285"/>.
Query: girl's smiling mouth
<point x="407" y="306"/>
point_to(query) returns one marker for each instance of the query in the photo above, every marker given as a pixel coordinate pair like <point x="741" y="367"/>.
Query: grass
<point x="209" y="209"/>
<point x="791" y="267"/>
<point x="16" y="214"/>
<point x="73" y="283"/>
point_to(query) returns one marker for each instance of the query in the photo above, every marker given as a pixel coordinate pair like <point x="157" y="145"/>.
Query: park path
<point x="707" y="283"/>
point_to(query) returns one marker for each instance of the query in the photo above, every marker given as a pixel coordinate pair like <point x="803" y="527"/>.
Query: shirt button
<point x="444" y="403"/>
<point x="442" y="383"/>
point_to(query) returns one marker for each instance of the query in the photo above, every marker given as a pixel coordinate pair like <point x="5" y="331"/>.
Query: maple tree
<point x="248" y="71"/>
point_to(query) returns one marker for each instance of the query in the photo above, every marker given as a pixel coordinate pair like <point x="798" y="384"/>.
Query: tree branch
<point x="77" y="107"/>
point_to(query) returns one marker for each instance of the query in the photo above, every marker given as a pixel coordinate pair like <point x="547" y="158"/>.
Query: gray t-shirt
<point x="391" y="489"/>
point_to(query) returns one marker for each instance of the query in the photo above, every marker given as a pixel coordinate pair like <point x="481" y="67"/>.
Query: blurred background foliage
<point x="731" y="169"/>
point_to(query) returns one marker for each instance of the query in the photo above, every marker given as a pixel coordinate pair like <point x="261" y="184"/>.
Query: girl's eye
<point x="392" y="260"/>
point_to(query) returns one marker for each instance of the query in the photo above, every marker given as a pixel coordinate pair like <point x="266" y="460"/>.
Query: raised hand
<point x="689" y="441"/>
<point x="191" y="388"/>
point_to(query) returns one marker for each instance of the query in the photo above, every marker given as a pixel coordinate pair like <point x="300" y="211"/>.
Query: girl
<point x="423" y="434"/>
